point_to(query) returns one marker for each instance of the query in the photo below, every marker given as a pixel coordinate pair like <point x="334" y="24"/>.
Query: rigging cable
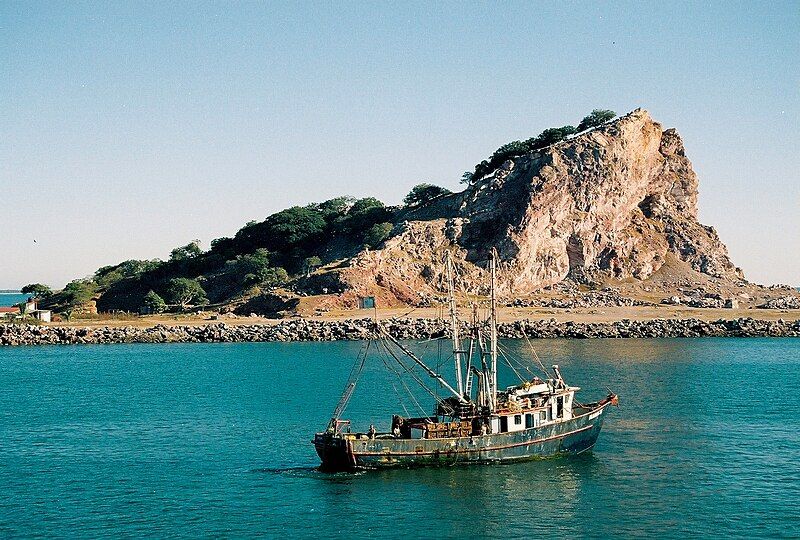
<point x="509" y="364"/>
<point x="394" y="387"/>
<point x="536" y="356"/>
<point x="509" y="356"/>
<point x="507" y="359"/>
<point x="411" y="373"/>
<point x="402" y="382"/>
<point x="352" y="380"/>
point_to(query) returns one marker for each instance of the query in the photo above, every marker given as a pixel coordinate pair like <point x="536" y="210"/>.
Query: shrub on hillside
<point x="596" y="118"/>
<point x="422" y="193"/>
<point x="546" y="138"/>
<point x="518" y="148"/>
<point x="189" y="251"/>
<point x="153" y="303"/>
<point x="377" y="234"/>
<point x="185" y="292"/>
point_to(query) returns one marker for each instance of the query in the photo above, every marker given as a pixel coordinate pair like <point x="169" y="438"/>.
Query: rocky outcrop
<point x="610" y="203"/>
<point x="404" y="328"/>
<point x="785" y="302"/>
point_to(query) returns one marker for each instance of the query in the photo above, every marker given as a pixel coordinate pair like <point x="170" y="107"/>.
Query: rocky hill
<point x="614" y="203"/>
<point x="602" y="217"/>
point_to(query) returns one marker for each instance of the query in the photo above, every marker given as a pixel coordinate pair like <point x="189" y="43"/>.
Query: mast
<point x="483" y="375"/>
<point x="457" y="352"/>
<point x="493" y="333"/>
<point x="472" y="339"/>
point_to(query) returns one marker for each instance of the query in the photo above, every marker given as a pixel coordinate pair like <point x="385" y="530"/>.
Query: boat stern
<point x="335" y="452"/>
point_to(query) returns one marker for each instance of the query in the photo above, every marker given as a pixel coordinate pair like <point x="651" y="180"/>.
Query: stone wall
<point x="310" y="330"/>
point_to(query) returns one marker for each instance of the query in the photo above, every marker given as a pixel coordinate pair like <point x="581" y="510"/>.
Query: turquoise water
<point x="12" y="299"/>
<point x="213" y="440"/>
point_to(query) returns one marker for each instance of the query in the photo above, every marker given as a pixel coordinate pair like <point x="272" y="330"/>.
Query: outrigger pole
<point x="352" y="380"/>
<point x="428" y="370"/>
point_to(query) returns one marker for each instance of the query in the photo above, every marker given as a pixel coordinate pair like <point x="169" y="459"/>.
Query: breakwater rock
<point x="313" y="330"/>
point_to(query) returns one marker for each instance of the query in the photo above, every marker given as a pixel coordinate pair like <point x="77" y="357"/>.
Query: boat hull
<point x="342" y="452"/>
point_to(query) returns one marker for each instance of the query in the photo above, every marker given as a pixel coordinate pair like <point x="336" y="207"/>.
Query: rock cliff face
<point x="610" y="203"/>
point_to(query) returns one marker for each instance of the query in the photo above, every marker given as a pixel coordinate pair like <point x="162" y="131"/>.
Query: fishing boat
<point x="475" y="421"/>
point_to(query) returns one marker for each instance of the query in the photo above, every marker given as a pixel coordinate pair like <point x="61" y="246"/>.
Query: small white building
<point x="31" y="309"/>
<point x="43" y="315"/>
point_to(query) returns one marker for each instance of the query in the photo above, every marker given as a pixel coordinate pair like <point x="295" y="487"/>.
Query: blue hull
<point x="340" y="452"/>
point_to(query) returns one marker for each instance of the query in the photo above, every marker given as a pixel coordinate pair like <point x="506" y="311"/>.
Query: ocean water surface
<point x="205" y="440"/>
<point x="12" y="299"/>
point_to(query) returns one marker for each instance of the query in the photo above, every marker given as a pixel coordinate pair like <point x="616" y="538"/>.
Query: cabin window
<point x="503" y="424"/>
<point x="517" y="419"/>
<point x="528" y="420"/>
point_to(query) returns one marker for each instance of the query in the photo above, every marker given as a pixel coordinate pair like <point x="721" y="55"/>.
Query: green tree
<point x="549" y="136"/>
<point x="288" y="229"/>
<point x="75" y="296"/>
<point x="252" y="263"/>
<point x="361" y="206"/>
<point x="38" y="290"/>
<point x="251" y="269"/>
<point x="467" y="177"/>
<point x="481" y="170"/>
<point x="189" y="251"/>
<point x="271" y="277"/>
<point x="216" y="243"/>
<point x="224" y="248"/>
<point x="153" y="303"/>
<point x="361" y="216"/>
<point x="422" y="193"/>
<point x="335" y="208"/>
<point x="108" y="275"/>
<point x="295" y="226"/>
<point x="378" y="233"/>
<point x="184" y="291"/>
<point x="311" y="264"/>
<point x="596" y="118"/>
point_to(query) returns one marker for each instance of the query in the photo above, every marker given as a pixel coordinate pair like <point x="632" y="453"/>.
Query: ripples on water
<point x="209" y="440"/>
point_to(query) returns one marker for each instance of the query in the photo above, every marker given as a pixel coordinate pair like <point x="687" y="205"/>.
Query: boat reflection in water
<point x="517" y="504"/>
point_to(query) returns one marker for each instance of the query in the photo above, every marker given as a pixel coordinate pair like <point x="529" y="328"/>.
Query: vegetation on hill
<point x="596" y="118"/>
<point x="423" y="193"/>
<point x="74" y="297"/>
<point x="37" y="290"/>
<point x="262" y="255"/>
<point x="546" y="138"/>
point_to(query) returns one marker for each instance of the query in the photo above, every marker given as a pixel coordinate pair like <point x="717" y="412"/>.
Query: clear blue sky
<point x="128" y="129"/>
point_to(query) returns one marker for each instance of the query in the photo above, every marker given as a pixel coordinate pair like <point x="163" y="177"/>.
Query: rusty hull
<point x="347" y="452"/>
